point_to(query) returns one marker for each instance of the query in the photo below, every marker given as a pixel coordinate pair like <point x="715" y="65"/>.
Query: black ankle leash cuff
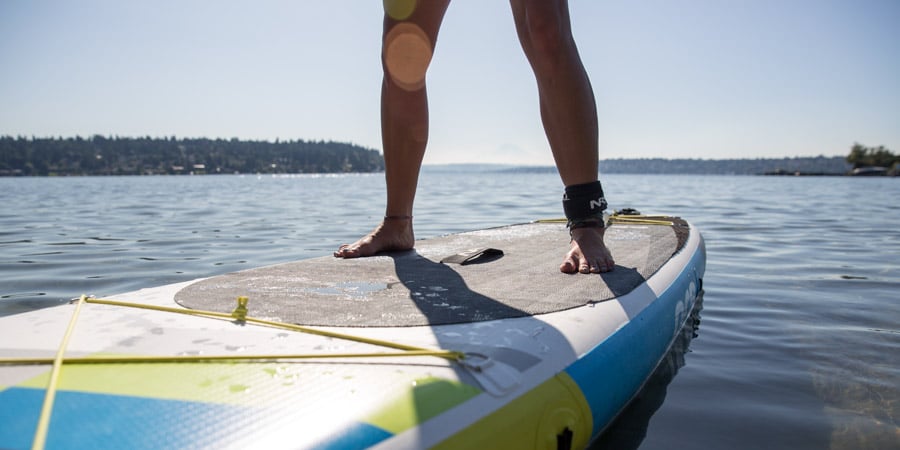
<point x="584" y="205"/>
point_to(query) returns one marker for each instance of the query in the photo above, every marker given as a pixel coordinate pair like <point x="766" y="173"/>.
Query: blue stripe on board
<point x="19" y="416"/>
<point x="360" y="435"/>
<point x="99" y="421"/>
<point x="613" y="371"/>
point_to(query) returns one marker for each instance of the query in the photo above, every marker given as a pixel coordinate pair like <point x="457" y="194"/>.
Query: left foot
<point x="394" y="233"/>
<point x="588" y="253"/>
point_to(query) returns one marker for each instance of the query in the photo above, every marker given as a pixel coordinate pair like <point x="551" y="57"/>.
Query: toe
<point x="568" y="266"/>
<point x="346" y="251"/>
<point x="606" y="266"/>
<point x="584" y="267"/>
<point x="609" y="264"/>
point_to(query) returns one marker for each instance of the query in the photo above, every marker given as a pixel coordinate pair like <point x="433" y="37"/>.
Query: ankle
<point x="578" y="234"/>
<point x="397" y="225"/>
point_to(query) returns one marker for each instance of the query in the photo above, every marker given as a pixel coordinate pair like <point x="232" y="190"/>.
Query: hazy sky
<point x="673" y="78"/>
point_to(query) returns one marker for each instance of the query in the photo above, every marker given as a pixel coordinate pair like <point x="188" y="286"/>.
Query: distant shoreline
<point x="100" y="156"/>
<point x="796" y="166"/>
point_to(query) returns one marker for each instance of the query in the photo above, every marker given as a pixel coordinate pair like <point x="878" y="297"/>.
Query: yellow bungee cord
<point x="625" y="219"/>
<point x="239" y="315"/>
<point x="40" y="435"/>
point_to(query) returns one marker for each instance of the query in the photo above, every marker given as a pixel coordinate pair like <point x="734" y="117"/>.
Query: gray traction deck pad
<point x="414" y="288"/>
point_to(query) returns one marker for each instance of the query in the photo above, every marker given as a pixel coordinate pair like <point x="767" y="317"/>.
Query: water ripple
<point x="799" y="338"/>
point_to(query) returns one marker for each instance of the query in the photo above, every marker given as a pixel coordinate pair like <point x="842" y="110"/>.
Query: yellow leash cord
<point x="108" y="359"/>
<point x="240" y="316"/>
<point x="640" y="220"/>
<point x="40" y="435"/>
<point x="625" y="219"/>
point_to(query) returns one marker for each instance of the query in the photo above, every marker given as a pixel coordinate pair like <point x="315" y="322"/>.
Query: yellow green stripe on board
<point x="254" y="384"/>
<point x="224" y="383"/>
<point x="538" y="416"/>
<point x="425" y="399"/>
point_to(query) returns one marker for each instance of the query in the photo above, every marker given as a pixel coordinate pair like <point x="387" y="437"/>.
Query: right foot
<point x="588" y="253"/>
<point x="395" y="233"/>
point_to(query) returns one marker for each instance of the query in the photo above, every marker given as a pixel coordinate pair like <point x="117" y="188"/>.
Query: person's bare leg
<point x="568" y="112"/>
<point x="410" y="34"/>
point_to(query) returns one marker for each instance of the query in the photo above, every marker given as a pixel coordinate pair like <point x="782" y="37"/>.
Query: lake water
<point x="797" y="344"/>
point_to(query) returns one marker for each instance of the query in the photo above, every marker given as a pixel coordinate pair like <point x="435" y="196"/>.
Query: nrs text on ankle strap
<point x="584" y="204"/>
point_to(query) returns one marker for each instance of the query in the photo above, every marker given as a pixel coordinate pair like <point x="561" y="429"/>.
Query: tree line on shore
<point x="99" y="155"/>
<point x="872" y="157"/>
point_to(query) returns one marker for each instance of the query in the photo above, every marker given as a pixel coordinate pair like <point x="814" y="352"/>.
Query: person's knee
<point x="547" y="33"/>
<point x="406" y="55"/>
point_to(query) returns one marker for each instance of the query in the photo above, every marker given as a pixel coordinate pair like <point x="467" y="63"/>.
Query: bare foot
<point x="394" y="233"/>
<point x="588" y="254"/>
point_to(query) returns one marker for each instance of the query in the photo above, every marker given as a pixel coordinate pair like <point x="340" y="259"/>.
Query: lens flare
<point x="399" y="9"/>
<point x="407" y="54"/>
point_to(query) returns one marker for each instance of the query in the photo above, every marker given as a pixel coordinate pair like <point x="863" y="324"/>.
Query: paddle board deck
<point x="491" y="348"/>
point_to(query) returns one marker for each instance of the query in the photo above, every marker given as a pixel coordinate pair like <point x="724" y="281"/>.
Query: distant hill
<point x="99" y="155"/>
<point x="820" y="165"/>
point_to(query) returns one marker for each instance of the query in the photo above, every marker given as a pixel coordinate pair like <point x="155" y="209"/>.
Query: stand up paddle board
<point x="473" y="340"/>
